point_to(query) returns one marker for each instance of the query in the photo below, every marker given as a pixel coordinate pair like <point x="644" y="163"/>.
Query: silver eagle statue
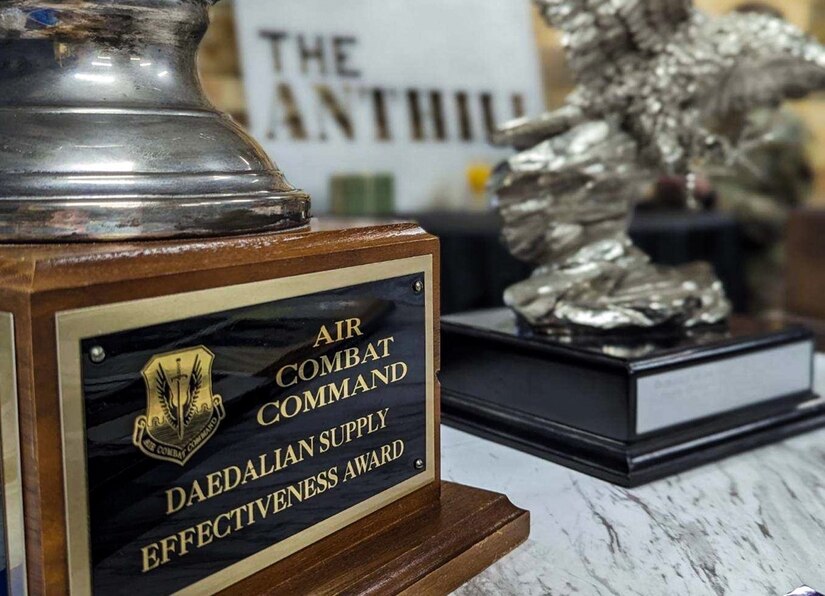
<point x="661" y="88"/>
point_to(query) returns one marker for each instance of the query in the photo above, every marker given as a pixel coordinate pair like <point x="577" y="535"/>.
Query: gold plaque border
<point x="76" y="325"/>
<point x="12" y="469"/>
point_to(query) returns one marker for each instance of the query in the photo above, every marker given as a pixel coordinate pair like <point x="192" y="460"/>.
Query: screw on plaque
<point x="419" y="464"/>
<point x="418" y="286"/>
<point x="97" y="354"/>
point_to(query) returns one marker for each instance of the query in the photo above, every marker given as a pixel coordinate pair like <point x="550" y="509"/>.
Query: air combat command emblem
<point x="182" y="414"/>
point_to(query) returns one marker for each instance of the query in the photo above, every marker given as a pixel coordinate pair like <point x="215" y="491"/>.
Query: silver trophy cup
<point x="105" y="133"/>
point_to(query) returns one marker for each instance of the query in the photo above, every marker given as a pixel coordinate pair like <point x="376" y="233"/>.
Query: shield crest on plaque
<point x="182" y="413"/>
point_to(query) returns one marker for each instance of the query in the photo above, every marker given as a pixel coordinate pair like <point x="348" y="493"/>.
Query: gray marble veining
<point x="750" y="524"/>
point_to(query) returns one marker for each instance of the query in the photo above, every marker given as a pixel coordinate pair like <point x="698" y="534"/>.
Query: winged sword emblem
<point x="179" y="407"/>
<point x="182" y="413"/>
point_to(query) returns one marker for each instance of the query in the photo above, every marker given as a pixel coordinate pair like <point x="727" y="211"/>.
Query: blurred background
<point x="385" y="110"/>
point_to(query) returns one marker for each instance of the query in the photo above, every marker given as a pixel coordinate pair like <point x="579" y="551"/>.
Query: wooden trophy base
<point x="256" y="415"/>
<point x="430" y="552"/>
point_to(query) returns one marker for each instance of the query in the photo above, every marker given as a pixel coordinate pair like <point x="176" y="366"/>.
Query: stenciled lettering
<point x="350" y="110"/>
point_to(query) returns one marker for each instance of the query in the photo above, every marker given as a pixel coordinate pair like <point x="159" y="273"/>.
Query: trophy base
<point x="340" y="492"/>
<point x="433" y="552"/>
<point x="628" y="410"/>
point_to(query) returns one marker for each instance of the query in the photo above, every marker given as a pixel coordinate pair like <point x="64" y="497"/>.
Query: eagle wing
<point x="761" y="83"/>
<point x="597" y="33"/>
<point x="164" y="391"/>
<point x="195" y="383"/>
<point x="569" y="192"/>
<point x="526" y="132"/>
<point x="600" y="37"/>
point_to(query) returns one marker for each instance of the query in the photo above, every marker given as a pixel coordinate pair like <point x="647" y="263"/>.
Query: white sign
<point x="410" y="87"/>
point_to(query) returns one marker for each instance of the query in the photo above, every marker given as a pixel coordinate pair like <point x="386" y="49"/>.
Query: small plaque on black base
<point x="628" y="409"/>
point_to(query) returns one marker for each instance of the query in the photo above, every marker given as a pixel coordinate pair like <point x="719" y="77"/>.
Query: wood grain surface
<point x="431" y="551"/>
<point x="427" y="542"/>
<point x="37" y="281"/>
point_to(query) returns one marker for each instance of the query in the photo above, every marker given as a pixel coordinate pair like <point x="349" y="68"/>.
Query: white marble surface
<point x="752" y="524"/>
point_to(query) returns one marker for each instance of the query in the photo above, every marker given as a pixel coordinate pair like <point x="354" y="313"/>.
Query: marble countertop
<point x="750" y="524"/>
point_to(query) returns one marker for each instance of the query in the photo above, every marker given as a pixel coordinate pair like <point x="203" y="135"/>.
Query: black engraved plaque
<point x="213" y="438"/>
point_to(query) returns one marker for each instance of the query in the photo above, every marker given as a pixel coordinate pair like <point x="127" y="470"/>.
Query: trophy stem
<point x="107" y="134"/>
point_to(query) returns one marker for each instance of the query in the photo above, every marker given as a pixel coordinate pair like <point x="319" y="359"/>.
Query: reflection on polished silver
<point x="105" y="132"/>
<point x="661" y="88"/>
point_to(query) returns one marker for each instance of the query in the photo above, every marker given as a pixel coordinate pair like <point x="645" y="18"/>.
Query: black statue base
<point x="627" y="409"/>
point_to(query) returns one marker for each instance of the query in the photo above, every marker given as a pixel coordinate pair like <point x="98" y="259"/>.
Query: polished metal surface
<point x="105" y="133"/>
<point x="667" y="399"/>
<point x="661" y="88"/>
